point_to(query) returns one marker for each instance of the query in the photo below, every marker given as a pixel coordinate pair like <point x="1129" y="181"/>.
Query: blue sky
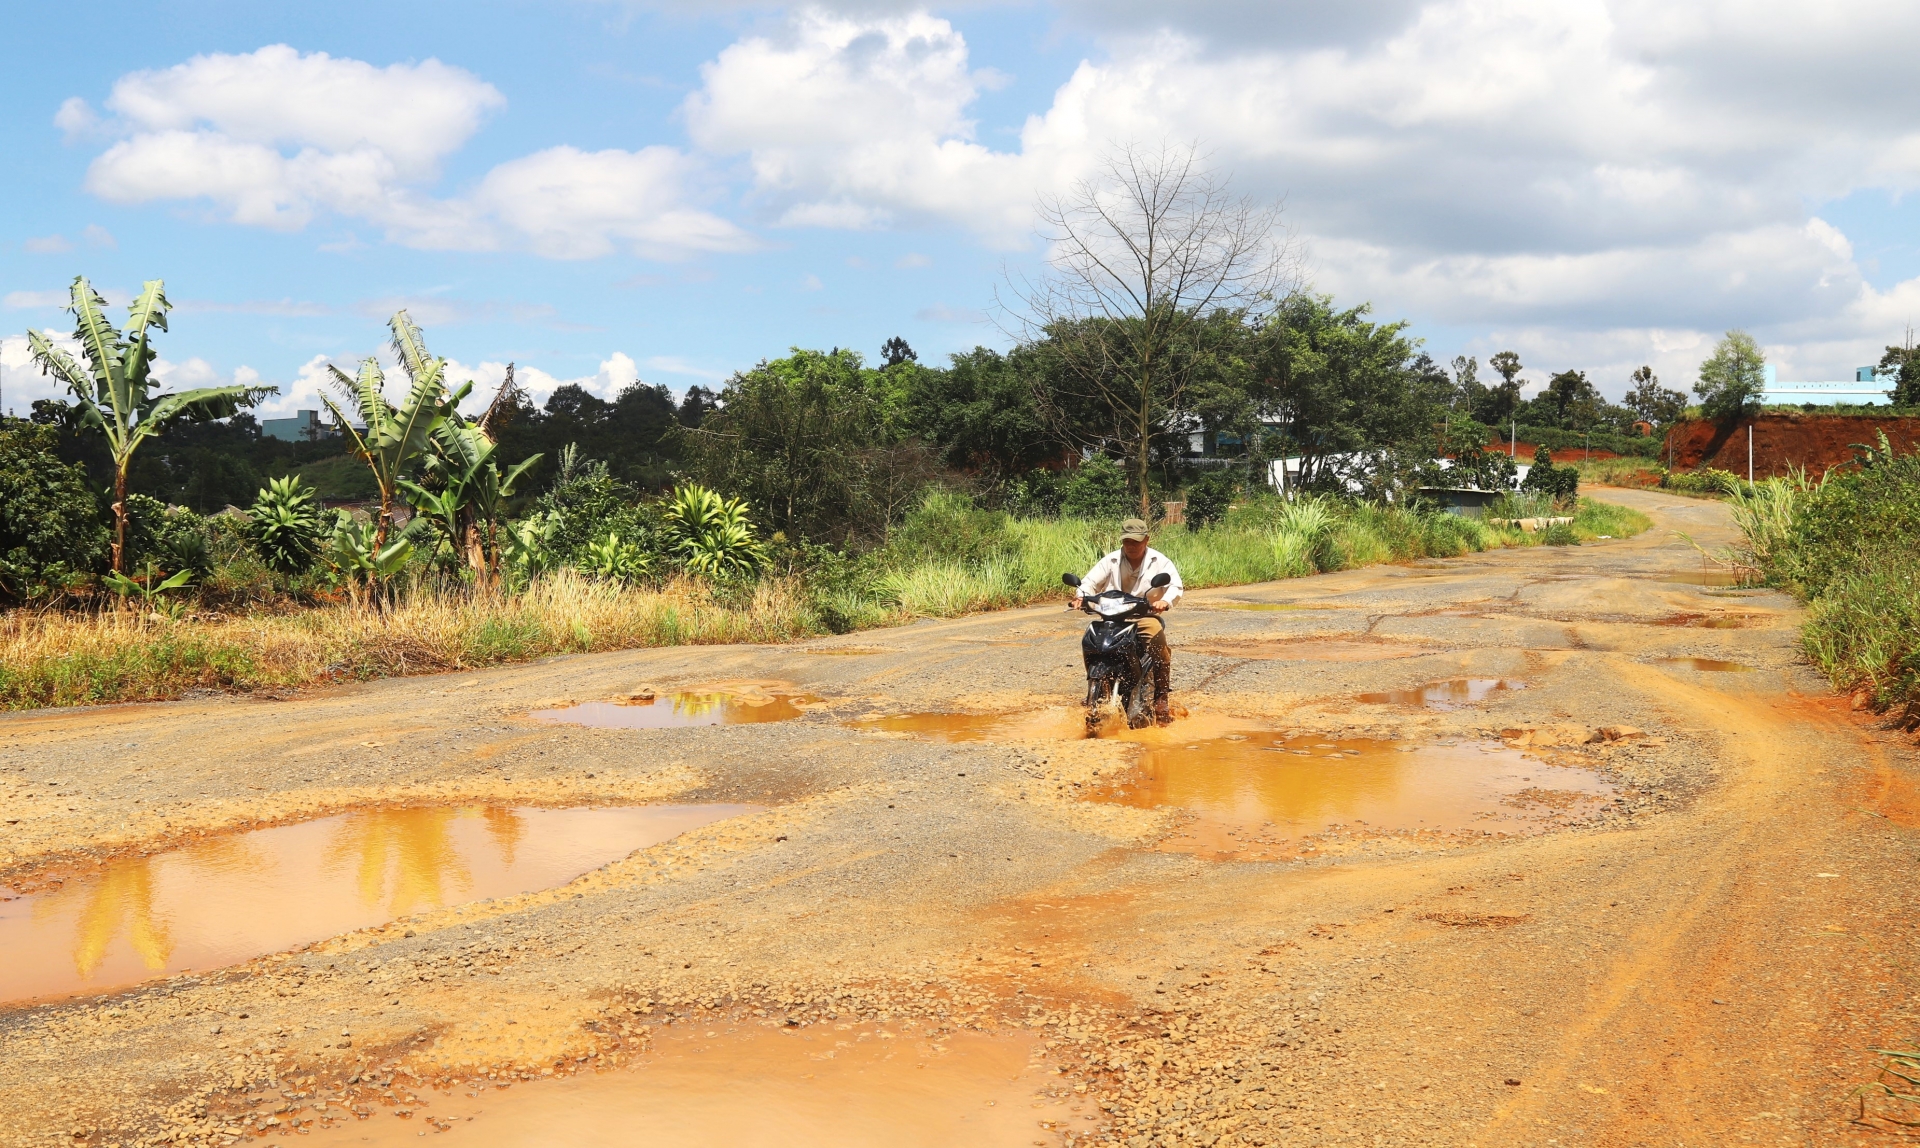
<point x="598" y="190"/>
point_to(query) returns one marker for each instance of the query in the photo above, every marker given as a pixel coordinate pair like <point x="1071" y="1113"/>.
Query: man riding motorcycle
<point x="1131" y="570"/>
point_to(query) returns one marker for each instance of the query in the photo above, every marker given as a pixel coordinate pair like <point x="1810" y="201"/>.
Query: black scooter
<point x="1117" y="656"/>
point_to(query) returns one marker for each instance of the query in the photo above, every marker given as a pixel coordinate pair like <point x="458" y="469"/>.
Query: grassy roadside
<point x="1848" y="545"/>
<point x="63" y="659"/>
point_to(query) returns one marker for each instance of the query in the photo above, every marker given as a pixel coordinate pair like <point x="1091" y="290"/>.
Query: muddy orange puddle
<point x="1258" y="795"/>
<point x="758" y="1087"/>
<point x="1704" y="578"/>
<point x="678" y="710"/>
<point x="1442" y="695"/>
<point x="235" y="897"/>
<point x="1047" y="723"/>
<point x="1707" y="665"/>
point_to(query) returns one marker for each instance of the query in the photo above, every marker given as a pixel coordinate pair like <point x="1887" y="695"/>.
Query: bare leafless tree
<point x="1142" y="257"/>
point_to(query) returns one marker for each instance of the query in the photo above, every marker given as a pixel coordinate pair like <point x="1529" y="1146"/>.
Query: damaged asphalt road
<point x="1701" y="950"/>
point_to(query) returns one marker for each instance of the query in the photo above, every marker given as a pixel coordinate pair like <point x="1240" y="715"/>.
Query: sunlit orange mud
<point x="678" y="710"/>
<point x="1442" y="695"/>
<point x="1707" y="665"/>
<point x="752" y="1086"/>
<point x="1048" y="723"/>
<point x="1256" y="795"/>
<point x="238" y="896"/>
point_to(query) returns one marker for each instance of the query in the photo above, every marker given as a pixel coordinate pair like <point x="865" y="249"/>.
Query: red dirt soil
<point x="1813" y="441"/>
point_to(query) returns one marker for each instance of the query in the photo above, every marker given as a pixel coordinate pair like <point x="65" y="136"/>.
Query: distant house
<point x="1869" y="385"/>
<point x="304" y="426"/>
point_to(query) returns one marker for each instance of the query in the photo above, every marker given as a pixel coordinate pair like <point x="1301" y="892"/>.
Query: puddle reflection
<point x="679" y="710"/>
<point x="1442" y="695"/>
<point x="1258" y="795"/>
<point x="229" y="899"/>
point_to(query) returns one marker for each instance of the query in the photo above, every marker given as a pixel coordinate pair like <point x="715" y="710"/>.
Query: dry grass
<point x="56" y="659"/>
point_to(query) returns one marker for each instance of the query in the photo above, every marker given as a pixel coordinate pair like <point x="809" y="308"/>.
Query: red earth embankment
<point x="1812" y="441"/>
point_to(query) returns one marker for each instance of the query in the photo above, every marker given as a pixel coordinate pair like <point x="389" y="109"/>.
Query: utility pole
<point x="1513" y="451"/>
<point x="1749" y="455"/>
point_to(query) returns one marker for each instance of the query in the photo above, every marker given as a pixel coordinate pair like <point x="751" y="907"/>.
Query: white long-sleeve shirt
<point x="1113" y="573"/>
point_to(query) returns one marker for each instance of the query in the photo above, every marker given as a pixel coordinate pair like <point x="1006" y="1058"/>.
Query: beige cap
<point x="1134" y="530"/>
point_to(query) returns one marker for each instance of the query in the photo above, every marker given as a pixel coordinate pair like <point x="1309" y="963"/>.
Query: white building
<point x="1869" y="385"/>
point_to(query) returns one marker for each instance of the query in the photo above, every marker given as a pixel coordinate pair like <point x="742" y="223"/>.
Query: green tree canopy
<point x="1731" y="380"/>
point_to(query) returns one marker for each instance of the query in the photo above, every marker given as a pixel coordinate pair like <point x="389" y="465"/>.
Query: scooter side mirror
<point x="1070" y="579"/>
<point x="1160" y="580"/>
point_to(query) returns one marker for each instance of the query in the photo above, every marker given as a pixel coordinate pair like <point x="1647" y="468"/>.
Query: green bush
<point x="169" y="538"/>
<point x="1097" y="489"/>
<point x="1562" y="483"/>
<point x="947" y="526"/>
<point x="1209" y="497"/>
<point x="1848" y="514"/>
<point x="52" y="532"/>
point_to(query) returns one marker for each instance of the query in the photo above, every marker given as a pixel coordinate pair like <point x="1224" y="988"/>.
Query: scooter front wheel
<point x="1139" y="701"/>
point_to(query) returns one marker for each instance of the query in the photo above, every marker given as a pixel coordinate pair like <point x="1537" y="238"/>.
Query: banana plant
<point x="352" y="556"/>
<point x="149" y="587"/>
<point x="395" y="435"/>
<point x="464" y="494"/>
<point x="117" y="392"/>
<point x="528" y="552"/>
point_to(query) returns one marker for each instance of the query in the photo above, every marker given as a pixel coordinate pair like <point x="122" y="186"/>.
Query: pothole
<point x="1058" y="723"/>
<point x="1703" y="578"/>
<point x="1442" y="695"/>
<point x="1256" y="795"/>
<point x="679" y="710"/>
<point x="1707" y="665"/>
<point x="1712" y="621"/>
<point x="1303" y="650"/>
<point x="719" y="1083"/>
<point x="234" y="897"/>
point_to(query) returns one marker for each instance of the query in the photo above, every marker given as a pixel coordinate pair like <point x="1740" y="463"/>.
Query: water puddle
<point x="232" y="898"/>
<point x="1256" y="795"/>
<point x="679" y="710"/>
<point x="1060" y="723"/>
<point x="1707" y="665"/>
<point x="1442" y="695"/>
<point x="1303" y="650"/>
<point x="750" y="1086"/>
<point x="1704" y="578"/>
<point x="1712" y="621"/>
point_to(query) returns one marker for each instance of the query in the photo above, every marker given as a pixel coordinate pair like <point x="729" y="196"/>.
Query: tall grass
<point x="1259" y="542"/>
<point x="1848" y="544"/>
<point x="986" y="562"/>
<point x="49" y="659"/>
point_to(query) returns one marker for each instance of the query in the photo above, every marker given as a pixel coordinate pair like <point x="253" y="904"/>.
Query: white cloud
<point x="1595" y="168"/>
<point x="857" y="123"/>
<point x="674" y="365"/>
<point x="76" y="119"/>
<point x="274" y="138"/>
<point x="99" y="236"/>
<point x="811" y="283"/>
<point x="47" y="245"/>
<point x="911" y="260"/>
